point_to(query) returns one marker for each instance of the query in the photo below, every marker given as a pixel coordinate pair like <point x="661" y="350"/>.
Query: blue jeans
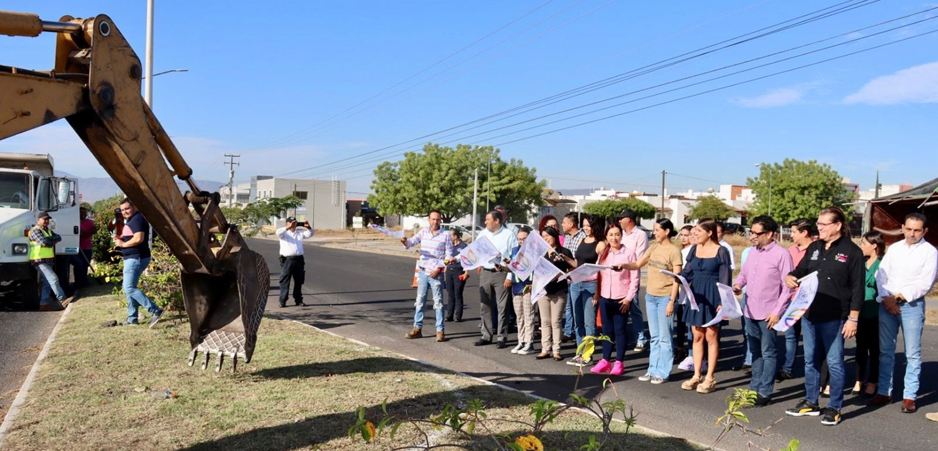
<point x="636" y="333"/>
<point x="584" y="313"/>
<point x="659" y="327"/>
<point x="435" y="284"/>
<point x="747" y="357"/>
<point x="761" y="341"/>
<point x="912" y="319"/>
<point x="791" y="347"/>
<point x="568" y="315"/>
<point x="133" y="268"/>
<point x="823" y="340"/>
<point x="50" y="284"/>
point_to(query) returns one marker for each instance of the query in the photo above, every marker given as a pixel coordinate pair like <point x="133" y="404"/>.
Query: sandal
<point x="691" y="384"/>
<point x="707" y="386"/>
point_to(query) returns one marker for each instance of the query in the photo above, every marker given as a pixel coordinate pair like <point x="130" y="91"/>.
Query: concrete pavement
<point x="368" y="297"/>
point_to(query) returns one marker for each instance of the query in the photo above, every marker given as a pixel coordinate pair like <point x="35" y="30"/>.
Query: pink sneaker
<point x="617" y="368"/>
<point x="602" y="367"/>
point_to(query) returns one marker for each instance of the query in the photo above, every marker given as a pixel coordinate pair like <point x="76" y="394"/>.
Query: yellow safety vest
<point x="40" y="252"/>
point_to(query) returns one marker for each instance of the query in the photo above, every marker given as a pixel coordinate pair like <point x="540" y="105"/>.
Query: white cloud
<point x="918" y="84"/>
<point x="772" y="99"/>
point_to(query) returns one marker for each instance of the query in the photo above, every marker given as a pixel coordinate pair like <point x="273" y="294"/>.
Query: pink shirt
<point x="796" y="255"/>
<point x="87" y="228"/>
<point x="764" y="273"/>
<point x="618" y="284"/>
<point x="635" y="241"/>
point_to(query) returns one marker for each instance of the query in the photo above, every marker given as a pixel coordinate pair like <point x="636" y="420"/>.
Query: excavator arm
<point x="95" y="86"/>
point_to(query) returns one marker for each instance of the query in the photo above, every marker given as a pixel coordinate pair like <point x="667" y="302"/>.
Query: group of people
<point x="863" y="291"/>
<point x="132" y="239"/>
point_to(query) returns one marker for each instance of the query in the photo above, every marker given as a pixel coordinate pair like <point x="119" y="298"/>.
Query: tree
<point x="710" y="207"/>
<point x="611" y="208"/>
<point x="799" y="189"/>
<point x="442" y="178"/>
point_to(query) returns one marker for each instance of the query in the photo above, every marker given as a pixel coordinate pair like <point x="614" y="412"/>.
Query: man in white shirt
<point x="905" y="275"/>
<point x="292" y="264"/>
<point x="728" y="247"/>
<point x="495" y="281"/>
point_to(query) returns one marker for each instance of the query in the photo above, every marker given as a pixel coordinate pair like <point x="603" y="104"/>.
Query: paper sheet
<point x="398" y="234"/>
<point x="477" y="254"/>
<point x="583" y="272"/>
<point x="803" y="299"/>
<point x="730" y="310"/>
<point x="544" y="272"/>
<point x="685" y="294"/>
<point x="525" y="261"/>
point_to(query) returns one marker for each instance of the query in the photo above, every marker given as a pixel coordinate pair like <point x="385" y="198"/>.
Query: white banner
<point x="803" y="299"/>
<point x="686" y="294"/>
<point x="525" y="261"/>
<point x="477" y="254"/>
<point x="730" y="309"/>
<point x="583" y="272"/>
<point x="398" y="234"/>
<point x="544" y="273"/>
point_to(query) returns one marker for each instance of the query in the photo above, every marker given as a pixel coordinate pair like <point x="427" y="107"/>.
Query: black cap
<point x="627" y="213"/>
<point x="43" y="215"/>
<point x="291" y="219"/>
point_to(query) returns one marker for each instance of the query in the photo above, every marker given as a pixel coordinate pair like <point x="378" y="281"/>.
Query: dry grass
<point x="301" y="392"/>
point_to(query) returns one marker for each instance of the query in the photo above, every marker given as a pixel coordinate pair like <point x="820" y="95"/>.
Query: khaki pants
<point x="552" y="313"/>
<point x="524" y="312"/>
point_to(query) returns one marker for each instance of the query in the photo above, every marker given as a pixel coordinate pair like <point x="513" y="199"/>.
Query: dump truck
<point x="95" y="85"/>
<point x="28" y="185"/>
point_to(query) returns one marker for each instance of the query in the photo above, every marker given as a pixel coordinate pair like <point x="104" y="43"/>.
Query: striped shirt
<point x="434" y="248"/>
<point x="573" y="242"/>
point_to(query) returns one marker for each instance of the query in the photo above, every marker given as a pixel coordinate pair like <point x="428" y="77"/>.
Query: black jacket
<point x="841" y="278"/>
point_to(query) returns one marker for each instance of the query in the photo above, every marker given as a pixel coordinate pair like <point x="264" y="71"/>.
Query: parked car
<point x="648" y="233"/>
<point x="464" y="232"/>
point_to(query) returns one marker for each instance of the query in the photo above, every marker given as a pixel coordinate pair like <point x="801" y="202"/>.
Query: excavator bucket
<point x="225" y="311"/>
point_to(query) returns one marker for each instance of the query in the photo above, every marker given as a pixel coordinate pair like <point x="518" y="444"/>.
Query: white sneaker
<point x="687" y="364"/>
<point x="527" y="349"/>
<point x="577" y="361"/>
<point x="517" y="348"/>
<point x="639" y="347"/>
<point x="658" y="380"/>
<point x="645" y="378"/>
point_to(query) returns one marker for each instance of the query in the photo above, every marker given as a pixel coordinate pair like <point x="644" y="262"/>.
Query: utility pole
<point x="148" y="83"/>
<point x="488" y="184"/>
<point x="662" y="194"/>
<point x="475" y="202"/>
<point x="231" y="164"/>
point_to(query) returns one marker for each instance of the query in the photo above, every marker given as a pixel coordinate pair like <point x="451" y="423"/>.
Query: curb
<point x="480" y="380"/>
<point x="24" y="389"/>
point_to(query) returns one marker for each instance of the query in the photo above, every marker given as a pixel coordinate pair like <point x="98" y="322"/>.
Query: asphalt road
<point x="22" y="335"/>
<point x="368" y="297"/>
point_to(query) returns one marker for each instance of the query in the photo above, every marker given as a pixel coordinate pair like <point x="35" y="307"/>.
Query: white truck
<point x="28" y="185"/>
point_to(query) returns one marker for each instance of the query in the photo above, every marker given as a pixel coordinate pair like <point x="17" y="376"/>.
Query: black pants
<point x="454" y="290"/>
<point x="868" y="349"/>
<point x="292" y="268"/>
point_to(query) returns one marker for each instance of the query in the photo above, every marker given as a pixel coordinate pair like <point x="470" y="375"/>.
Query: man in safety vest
<point x="42" y="255"/>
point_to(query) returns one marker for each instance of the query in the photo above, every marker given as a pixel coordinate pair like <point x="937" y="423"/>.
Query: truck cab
<point x="28" y="186"/>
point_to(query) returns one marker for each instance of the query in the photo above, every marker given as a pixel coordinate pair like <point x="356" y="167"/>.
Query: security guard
<point x="42" y="255"/>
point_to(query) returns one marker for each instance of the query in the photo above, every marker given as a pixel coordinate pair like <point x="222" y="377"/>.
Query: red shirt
<point x="87" y="229"/>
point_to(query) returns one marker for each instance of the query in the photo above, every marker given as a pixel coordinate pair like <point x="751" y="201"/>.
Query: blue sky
<point x="276" y="84"/>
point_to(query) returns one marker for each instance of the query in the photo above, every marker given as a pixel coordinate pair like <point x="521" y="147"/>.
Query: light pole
<point x="760" y="165"/>
<point x="166" y="72"/>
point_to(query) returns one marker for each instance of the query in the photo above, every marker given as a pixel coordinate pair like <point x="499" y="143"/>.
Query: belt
<point x="490" y="270"/>
<point x="291" y="257"/>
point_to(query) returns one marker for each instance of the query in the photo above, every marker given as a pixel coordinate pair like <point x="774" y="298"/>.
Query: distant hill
<point x="93" y="189"/>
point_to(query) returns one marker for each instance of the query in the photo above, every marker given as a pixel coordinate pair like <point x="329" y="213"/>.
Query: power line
<point x="825" y="13"/>
<point x="431" y="66"/>
<point x="665" y="92"/>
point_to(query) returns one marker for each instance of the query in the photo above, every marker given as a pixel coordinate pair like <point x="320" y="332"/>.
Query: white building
<point x="323" y="200"/>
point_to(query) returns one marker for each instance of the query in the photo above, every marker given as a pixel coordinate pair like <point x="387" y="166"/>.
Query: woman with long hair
<point x="616" y="290"/>
<point x="549" y="221"/>
<point x="660" y="295"/>
<point x="551" y="305"/>
<point x="873" y="247"/>
<point x="583" y="294"/>
<point x="707" y="263"/>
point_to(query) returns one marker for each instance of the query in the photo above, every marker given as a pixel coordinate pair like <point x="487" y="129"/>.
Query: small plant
<point x="734" y="418"/>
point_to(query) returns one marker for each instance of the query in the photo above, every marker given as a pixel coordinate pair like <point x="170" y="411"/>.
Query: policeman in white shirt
<point x="905" y="275"/>
<point x="292" y="264"/>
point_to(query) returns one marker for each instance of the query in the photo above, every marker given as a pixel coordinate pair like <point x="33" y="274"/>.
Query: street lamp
<point x="168" y="71"/>
<point x="760" y="165"/>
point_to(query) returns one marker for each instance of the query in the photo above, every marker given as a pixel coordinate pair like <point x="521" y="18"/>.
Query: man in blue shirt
<point x="133" y="241"/>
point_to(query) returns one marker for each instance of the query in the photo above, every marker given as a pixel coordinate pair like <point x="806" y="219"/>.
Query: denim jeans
<point x="435" y="284"/>
<point x="661" y="356"/>
<point x="50" y="284"/>
<point x="615" y="326"/>
<point x="133" y="268"/>
<point x="911" y="318"/>
<point x="761" y="341"/>
<point x="824" y="340"/>
<point x="636" y="333"/>
<point x="584" y="313"/>
<point x="747" y="353"/>
<point x="568" y="315"/>
<point x="791" y="347"/>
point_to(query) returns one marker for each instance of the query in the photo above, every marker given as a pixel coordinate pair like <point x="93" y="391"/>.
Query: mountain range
<point x="92" y="189"/>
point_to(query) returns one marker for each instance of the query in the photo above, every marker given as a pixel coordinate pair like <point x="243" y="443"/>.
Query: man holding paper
<point x="495" y="281"/>
<point x="833" y="315"/>
<point x="435" y="247"/>
<point x="767" y="298"/>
